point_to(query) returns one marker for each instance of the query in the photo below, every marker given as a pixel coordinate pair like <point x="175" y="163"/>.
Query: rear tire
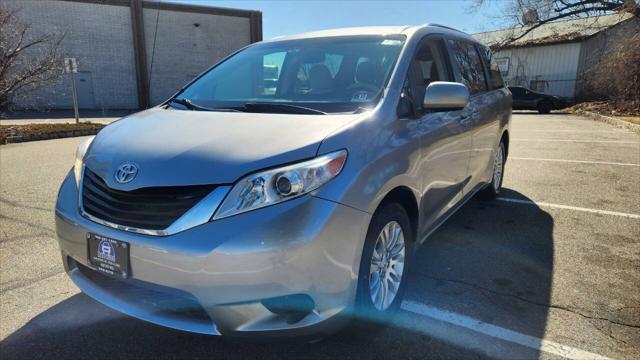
<point x="384" y="265"/>
<point x="493" y="189"/>
<point x="544" y="107"/>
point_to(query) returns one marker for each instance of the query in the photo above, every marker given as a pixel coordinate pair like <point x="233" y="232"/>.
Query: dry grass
<point x="631" y="119"/>
<point x="622" y="110"/>
<point x="616" y="76"/>
<point x="629" y="108"/>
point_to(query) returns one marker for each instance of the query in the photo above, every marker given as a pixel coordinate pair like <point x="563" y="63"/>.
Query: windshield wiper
<point x="191" y="106"/>
<point x="186" y="103"/>
<point x="281" y="108"/>
<point x="252" y="107"/>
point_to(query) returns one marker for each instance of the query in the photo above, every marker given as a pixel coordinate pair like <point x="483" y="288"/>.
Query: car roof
<point x="407" y="30"/>
<point x="364" y="30"/>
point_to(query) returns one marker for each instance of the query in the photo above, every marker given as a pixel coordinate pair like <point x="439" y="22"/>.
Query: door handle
<point x="470" y="113"/>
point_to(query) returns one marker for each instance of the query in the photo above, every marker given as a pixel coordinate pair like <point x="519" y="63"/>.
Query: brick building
<point x="132" y="54"/>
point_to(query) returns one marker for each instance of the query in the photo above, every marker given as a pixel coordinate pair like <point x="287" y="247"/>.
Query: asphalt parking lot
<point x="549" y="270"/>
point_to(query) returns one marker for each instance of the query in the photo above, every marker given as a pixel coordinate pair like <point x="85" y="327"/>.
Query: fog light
<point x="293" y="307"/>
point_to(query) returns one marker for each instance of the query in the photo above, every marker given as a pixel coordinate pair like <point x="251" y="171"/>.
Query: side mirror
<point x="445" y="96"/>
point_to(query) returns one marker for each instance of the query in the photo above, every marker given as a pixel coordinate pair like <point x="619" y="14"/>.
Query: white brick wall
<point x="184" y="50"/>
<point x="100" y="37"/>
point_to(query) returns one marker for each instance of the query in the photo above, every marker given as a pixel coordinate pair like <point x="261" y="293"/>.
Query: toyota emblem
<point x="126" y="172"/>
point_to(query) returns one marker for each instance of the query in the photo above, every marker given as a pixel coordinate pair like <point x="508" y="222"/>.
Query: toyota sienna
<point x="289" y="184"/>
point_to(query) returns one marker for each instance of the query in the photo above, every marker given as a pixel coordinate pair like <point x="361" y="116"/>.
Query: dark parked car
<point x="527" y="99"/>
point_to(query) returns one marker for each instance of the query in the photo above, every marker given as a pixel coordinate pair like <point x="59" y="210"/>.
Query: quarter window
<point x="517" y="91"/>
<point x="470" y="65"/>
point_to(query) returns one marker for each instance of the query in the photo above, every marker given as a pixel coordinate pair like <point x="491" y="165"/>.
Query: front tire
<point x="493" y="189"/>
<point x="544" y="107"/>
<point x="384" y="264"/>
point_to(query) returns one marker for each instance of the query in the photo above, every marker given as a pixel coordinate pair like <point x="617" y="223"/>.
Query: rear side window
<point x="517" y="91"/>
<point x="470" y="65"/>
<point x="495" y="78"/>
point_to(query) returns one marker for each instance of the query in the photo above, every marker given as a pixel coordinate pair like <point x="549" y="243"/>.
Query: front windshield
<point x="339" y="74"/>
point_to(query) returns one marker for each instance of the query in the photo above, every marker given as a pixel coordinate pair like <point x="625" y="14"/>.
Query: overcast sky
<point x="291" y="17"/>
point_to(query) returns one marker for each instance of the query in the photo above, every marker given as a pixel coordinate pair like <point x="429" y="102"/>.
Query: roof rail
<point x="445" y="27"/>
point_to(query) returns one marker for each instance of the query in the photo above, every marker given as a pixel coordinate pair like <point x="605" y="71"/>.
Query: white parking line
<point x="574" y="161"/>
<point x="581" y="141"/>
<point x="498" y="332"/>
<point x="567" y="207"/>
<point x="577" y="131"/>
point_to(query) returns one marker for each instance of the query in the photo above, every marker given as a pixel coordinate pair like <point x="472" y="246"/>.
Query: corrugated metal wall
<point x="550" y="69"/>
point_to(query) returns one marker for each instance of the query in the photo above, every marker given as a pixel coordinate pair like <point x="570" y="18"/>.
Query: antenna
<point x="153" y="50"/>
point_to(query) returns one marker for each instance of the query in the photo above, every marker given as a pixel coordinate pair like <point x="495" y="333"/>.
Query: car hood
<point x="176" y="147"/>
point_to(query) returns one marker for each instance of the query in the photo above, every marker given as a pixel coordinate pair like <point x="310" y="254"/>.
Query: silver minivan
<point x="289" y="184"/>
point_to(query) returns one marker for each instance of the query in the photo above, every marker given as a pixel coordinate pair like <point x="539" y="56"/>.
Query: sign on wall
<point x="503" y="65"/>
<point x="70" y="65"/>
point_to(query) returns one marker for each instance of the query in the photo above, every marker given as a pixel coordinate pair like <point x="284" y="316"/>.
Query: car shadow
<point x="491" y="261"/>
<point x="81" y="328"/>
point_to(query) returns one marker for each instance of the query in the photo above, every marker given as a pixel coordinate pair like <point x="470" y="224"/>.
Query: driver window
<point x="428" y="66"/>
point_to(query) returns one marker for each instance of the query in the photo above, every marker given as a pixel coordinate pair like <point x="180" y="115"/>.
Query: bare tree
<point x="27" y="62"/>
<point x="612" y="73"/>
<point x="617" y="76"/>
<point x="528" y="15"/>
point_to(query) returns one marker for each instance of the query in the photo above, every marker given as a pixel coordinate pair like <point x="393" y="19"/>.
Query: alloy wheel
<point x="387" y="265"/>
<point x="498" y="168"/>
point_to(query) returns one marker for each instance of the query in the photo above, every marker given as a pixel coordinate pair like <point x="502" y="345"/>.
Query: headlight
<point x="80" y="152"/>
<point x="277" y="185"/>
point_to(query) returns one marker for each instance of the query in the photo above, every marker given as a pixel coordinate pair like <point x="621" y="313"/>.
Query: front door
<point x="444" y="137"/>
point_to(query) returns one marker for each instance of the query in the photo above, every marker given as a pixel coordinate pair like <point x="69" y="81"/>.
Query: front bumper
<point x="227" y="267"/>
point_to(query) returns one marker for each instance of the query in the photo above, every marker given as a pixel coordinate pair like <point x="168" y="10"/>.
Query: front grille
<point x="153" y="208"/>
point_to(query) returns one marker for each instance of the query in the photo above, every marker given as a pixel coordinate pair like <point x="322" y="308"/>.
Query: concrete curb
<point x="50" y="136"/>
<point x="610" y="120"/>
